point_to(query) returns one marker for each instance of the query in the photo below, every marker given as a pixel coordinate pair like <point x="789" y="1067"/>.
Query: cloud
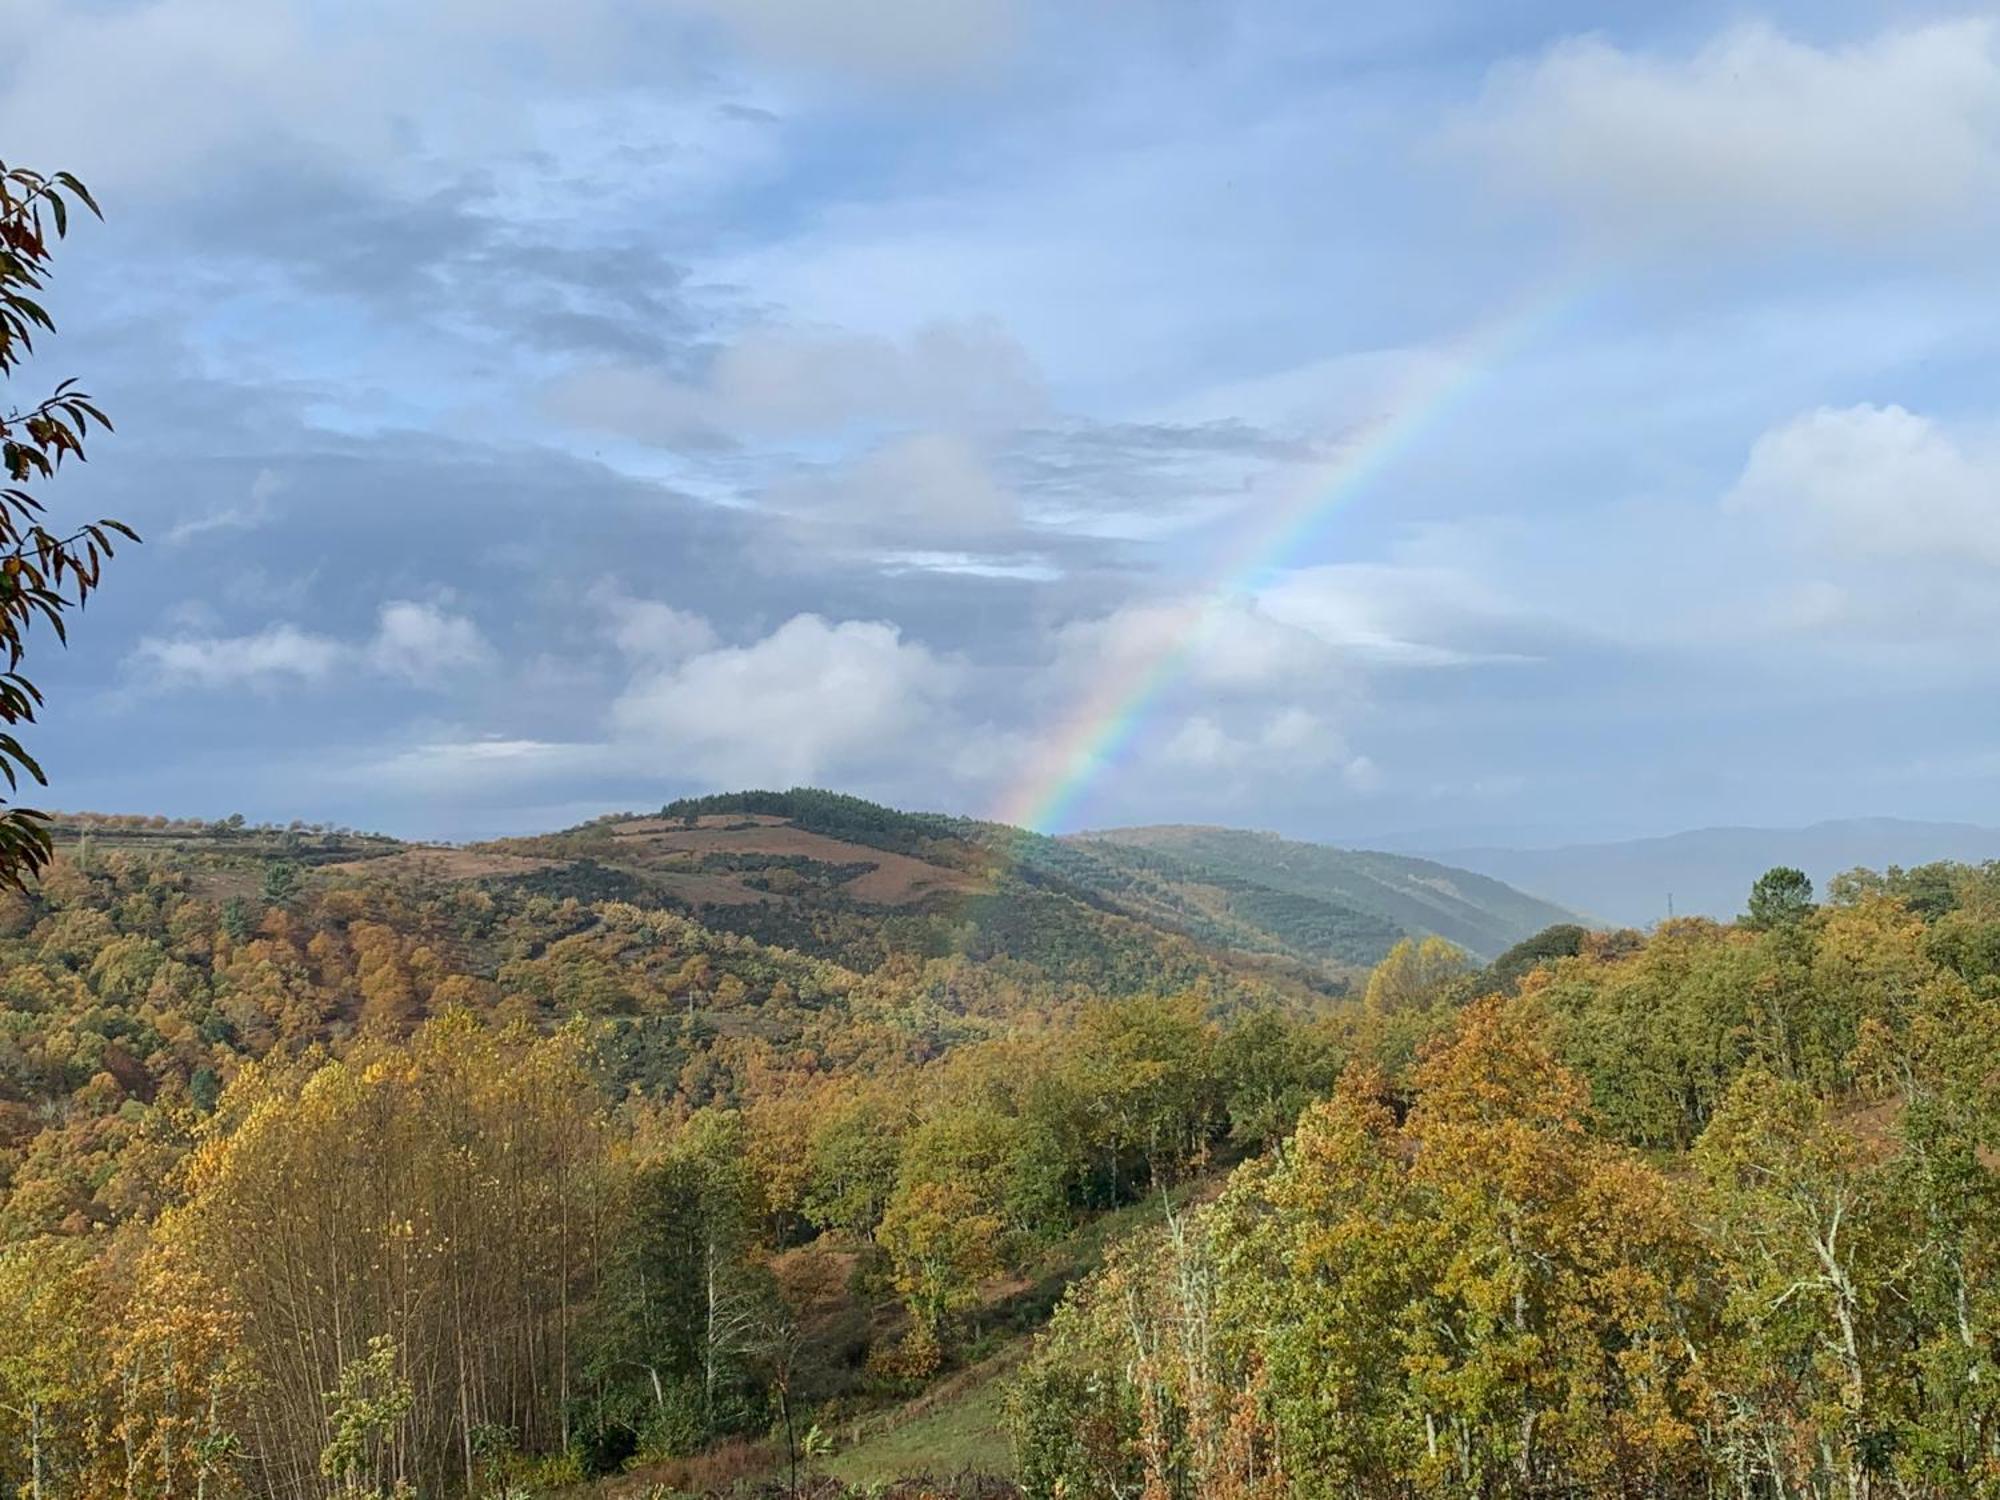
<point x="927" y="488"/>
<point x="1400" y="614"/>
<point x="418" y="643"/>
<point x="422" y="643"/>
<point x="1756" y="134"/>
<point x="255" y="511"/>
<point x="812" y="700"/>
<point x="269" y="657"/>
<point x="1214" y="644"/>
<point x="778" y="381"/>
<point x="906" y="40"/>
<point x="649" y="631"/>
<point x="1288" y="739"/>
<point x="133" y="94"/>
<point x="482" y="763"/>
<point x="1875" y="482"/>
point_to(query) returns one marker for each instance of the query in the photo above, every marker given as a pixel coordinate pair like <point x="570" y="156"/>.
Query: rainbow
<point x="1111" y="714"/>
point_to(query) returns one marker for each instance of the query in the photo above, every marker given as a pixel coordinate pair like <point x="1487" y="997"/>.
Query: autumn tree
<point x="941" y="1246"/>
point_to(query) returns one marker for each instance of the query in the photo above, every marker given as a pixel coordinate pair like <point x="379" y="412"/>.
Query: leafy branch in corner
<point x="43" y="573"/>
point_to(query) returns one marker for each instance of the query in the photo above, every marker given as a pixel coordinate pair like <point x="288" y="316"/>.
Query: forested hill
<point x="851" y="880"/>
<point x="1393" y="892"/>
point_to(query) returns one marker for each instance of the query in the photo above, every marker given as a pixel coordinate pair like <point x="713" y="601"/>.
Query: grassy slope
<point x="1416" y="896"/>
<point x="957" y="1427"/>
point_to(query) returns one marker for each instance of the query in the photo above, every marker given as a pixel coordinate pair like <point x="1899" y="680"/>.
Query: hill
<point x="1317" y="898"/>
<point x="856" y="883"/>
<point x="850" y="880"/>
<point x="1709" y="871"/>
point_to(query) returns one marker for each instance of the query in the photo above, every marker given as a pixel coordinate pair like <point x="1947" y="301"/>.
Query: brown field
<point x="446" y="864"/>
<point x="703" y="888"/>
<point x="895" y="880"/>
<point x="634" y="826"/>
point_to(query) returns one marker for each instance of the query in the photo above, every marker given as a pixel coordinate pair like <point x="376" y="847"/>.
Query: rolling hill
<point x="845" y="879"/>
<point x="1300" y="891"/>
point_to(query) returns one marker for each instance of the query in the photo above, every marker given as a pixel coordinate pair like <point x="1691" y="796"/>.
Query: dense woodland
<point x="321" y="1175"/>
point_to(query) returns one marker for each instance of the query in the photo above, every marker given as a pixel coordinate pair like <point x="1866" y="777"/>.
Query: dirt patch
<point x="633" y="827"/>
<point x="895" y="880"/>
<point x="446" y="864"/>
<point x="702" y="889"/>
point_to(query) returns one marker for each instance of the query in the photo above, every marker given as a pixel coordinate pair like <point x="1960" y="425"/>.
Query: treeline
<point x="1714" y="1213"/>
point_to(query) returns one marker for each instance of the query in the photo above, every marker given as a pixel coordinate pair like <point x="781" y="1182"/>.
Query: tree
<point x="1800" y="1215"/>
<point x="46" y="1363"/>
<point x="281" y="883"/>
<point x="1564" y="940"/>
<point x="941" y="1247"/>
<point x="1781" y="898"/>
<point x="1416" y="976"/>
<point x="365" y="1409"/>
<point x="43" y="574"/>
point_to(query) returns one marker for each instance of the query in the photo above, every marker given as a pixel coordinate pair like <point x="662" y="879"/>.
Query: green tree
<point x="1781" y="897"/>
<point x="363" y="1411"/>
<point x="44" y="573"/>
<point x="281" y="883"/>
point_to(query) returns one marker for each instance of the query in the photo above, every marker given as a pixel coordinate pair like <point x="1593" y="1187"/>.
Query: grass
<point x="962" y="1433"/>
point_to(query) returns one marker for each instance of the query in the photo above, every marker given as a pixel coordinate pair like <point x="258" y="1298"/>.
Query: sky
<point x="1453" y="421"/>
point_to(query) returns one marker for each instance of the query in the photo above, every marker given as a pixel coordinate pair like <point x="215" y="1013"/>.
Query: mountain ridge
<point x="1414" y="894"/>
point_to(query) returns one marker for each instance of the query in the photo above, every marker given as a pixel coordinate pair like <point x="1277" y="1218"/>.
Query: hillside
<point x="848" y="880"/>
<point x="1317" y="897"/>
<point x="856" y="883"/>
<point x="1708" y="871"/>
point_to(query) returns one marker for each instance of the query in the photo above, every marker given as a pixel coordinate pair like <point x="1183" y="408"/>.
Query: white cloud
<point x="454" y="766"/>
<point x="1875" y="482"/>
<point x="271" y="656"/>
<point x="647" y="630"/>
<point x="419" y="643"/>
<point x="1288" y="739"/>
<point x="811" y="700"/>
<point x="1224" y="644"/>
<point x="1756" y="134"/>
<point x="255" y="511"/>
<point x="1395" y="614"/>
<point x="797" y="382"/>
<point x="129" y="96"/>
<point x="422" y="643"/>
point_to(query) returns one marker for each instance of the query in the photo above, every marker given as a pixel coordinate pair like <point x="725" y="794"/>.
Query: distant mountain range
<point x="1708" y="871"/>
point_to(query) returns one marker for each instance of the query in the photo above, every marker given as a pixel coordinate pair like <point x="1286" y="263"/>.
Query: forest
<point x="326" y="1173"/>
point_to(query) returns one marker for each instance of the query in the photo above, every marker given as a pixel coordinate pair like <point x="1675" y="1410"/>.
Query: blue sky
<point x="533" y="411"/>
